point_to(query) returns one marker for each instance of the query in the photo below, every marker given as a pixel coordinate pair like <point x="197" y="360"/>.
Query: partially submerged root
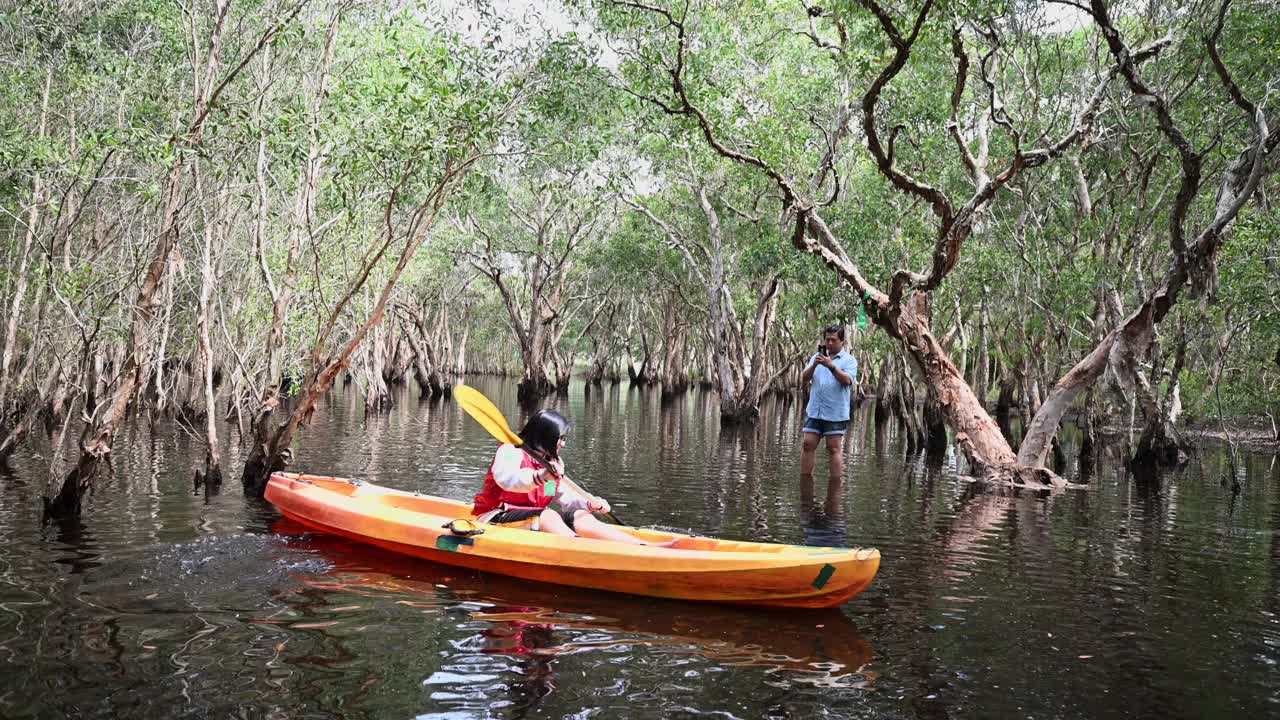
<point x="1025" y="477"/>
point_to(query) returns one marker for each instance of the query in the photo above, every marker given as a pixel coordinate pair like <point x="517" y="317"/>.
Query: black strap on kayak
<point x="464" y="528"/>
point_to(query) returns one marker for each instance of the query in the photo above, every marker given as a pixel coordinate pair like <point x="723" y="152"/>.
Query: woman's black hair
<point x="543" y="432"/>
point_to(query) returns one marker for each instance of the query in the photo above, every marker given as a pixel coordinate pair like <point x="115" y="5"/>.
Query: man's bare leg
<point x="835" y="454"/>
<point x="808" y="448"/>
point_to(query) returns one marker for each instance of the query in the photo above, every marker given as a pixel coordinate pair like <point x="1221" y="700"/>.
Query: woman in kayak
<point x="524" y="480"/>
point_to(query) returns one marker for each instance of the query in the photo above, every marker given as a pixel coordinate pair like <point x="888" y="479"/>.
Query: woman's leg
<point x="551" y="522"/>
<point x="588" y="525"/>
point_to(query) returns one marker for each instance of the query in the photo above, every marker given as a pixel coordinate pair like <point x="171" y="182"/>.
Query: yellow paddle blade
<point x="483" y="411"/>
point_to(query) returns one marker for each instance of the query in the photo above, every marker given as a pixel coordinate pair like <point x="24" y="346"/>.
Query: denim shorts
<point x="825" y="427"/>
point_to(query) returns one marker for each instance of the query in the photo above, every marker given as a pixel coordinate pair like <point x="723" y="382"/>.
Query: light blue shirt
<point x="829" y="398"/>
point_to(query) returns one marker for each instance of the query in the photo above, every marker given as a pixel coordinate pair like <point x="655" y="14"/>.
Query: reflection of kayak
<point x="825" y="642"/>
<point x="697" y="568"/>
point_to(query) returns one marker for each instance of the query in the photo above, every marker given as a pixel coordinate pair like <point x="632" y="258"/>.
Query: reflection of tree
<point x="855" y="442"/>
<point x="80" y="543"/>
<point x="670" y="436"/>
<point x="376" y="429"/>
<point x="744" y="440"/>
<point x="1272" y="603"/>
<point x="732" y="478"/>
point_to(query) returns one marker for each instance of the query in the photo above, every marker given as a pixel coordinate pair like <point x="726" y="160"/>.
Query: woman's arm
<point x="508" y="473"/>
<point x="571" y="499"/>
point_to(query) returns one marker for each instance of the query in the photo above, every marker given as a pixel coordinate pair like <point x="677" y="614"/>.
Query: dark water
<point x="1119" y="601"/>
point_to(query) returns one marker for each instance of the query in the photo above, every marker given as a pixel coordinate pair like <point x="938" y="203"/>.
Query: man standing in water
<point x="832" y="370"/>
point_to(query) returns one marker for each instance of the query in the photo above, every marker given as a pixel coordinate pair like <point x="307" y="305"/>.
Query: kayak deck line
<point x="696" y="568"/>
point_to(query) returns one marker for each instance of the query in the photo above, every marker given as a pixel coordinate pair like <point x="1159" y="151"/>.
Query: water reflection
<point x="825" y="524"/>
<point x="76" y="545"/>
<point x="1124" y="600"/>
<point x="534" y="622"/>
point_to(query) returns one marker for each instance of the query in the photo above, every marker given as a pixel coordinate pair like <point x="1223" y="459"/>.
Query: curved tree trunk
<point x="674" y="376"/>
<point x="885" y="392"/>
<point x="754" y="386"/>
<point x="95" y="441"/>
<point x="641" y="376"/>
<point x="270" y="383"/>
<point x="377" y="397"/>
<point x="421" y="361"/>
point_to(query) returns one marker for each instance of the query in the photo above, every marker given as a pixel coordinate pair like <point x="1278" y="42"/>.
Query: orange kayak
<point x="696" y="568"/>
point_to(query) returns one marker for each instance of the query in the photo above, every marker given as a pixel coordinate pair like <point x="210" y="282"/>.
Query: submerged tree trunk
<point x="1004" y="405"/>
<point x="377" y="397"/>
<point x="976" y="433"/>
<point x="639" y="376"/>
<point x="54" y="382"/>
<point x="602" y="353"/>
<point x="424" y="369"/>
<point x="885" y="391"/>
<point x="271" y="452"/>
<point x="460" y="363"/>
<point x="1160" y="445"/>
<point x="761" y="376"/>
<point x="212" y="476"/>
<point x="674" y="376"/>
<point x="96" y="440"/>
<point x="1090" y="443"/>
<point x="935" y="429"/>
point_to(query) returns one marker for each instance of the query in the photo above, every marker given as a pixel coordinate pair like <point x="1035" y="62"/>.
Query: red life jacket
<point x="493" y="496"/>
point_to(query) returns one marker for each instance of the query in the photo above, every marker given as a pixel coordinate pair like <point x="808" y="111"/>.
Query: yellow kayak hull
<point x="697" y="568"/>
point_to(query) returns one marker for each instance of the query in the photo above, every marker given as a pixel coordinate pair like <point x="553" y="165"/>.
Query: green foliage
<point x="569" y="122"/>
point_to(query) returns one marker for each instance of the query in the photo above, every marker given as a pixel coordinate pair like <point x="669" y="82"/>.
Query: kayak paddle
<point x="482" y="410"/>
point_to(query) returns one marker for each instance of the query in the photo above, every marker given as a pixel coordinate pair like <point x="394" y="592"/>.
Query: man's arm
<point x="807" y="375"/>
<point x="845" y="378"/>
